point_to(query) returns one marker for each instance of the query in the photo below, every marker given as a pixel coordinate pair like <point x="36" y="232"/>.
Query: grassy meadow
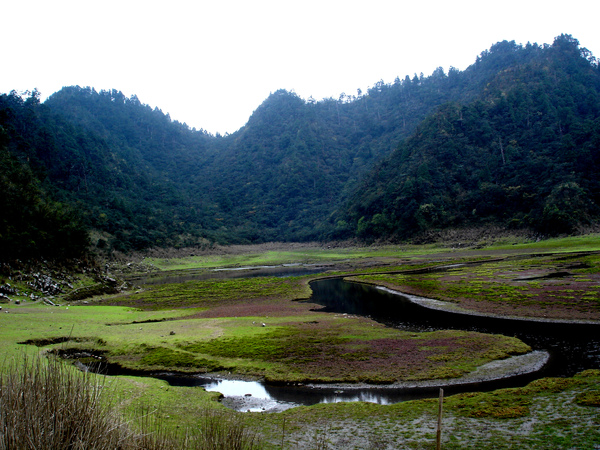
<point x="266" y="328"/>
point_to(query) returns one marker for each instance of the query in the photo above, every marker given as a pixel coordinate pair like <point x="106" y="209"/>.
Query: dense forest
<point x="513" y="140"/>
<point x="524" y="153"/>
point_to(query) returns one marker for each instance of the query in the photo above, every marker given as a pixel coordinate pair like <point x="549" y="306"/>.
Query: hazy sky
<point x="211" y="64"/>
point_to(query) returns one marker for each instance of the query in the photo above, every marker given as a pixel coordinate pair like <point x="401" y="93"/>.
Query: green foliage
<point x="511" y="140"/>
<point x="589" y="398"/>
<point x="566" y="207"/>
<point x="523" y="152"/>
<point x="32" y="224"/>
<point x="169" y="359"/>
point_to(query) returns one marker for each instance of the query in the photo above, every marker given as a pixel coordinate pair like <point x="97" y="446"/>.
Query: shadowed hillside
<point x="512" y="140"/>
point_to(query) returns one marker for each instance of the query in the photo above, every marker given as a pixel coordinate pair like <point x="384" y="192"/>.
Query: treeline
<point x="512" y="140"/>
<point x="524" y="153"/>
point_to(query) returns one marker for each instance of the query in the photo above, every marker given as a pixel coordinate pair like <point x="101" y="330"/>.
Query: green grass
<point x="209" y="293"/>
<point x="512" y="282"/>
<point x="266" y="258"/>
<point x="141" y="333"/>
<point x="319" y="254"/>
<point x="120" y="326"/>
<point x="296" y="345"/>
<point x="48" y="404"/>
<point x="587" y="243"/>
<point x="300" y="256"/>
<point x="545" y="414"/>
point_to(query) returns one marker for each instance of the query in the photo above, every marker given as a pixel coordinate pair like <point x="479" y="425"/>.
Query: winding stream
<point x="572" y="348"/>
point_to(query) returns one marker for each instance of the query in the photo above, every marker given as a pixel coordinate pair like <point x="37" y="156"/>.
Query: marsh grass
<point x="350" y="351"/>
<point x="210" y="293"/>
<point x="277" y="254"/>
<point x="223" y="431"/>
<point x="552" y="285"/>
<point x="45" y="403"/>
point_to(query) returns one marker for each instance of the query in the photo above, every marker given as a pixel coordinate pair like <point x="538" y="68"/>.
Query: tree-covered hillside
<point x="525" y="152"/>
<point x="512" y="140"/>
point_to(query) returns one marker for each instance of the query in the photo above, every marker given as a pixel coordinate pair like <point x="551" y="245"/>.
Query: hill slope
<point x="524" y="152"/>
<point x="513" y="139"/>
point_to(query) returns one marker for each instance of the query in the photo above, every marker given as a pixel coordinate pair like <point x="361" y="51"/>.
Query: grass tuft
<point x="48" y="404"/>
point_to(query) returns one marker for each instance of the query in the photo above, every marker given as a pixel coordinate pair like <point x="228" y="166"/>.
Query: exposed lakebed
<point x="560" y="349"/>
<point x="284" y="270"/>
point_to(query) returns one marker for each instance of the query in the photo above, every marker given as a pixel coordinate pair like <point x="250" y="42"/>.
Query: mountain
<point x="511" y="140"/>
<point x="525" y="152"/>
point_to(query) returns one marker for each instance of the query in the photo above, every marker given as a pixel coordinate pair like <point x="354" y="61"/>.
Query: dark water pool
<point x="572" y="348"/>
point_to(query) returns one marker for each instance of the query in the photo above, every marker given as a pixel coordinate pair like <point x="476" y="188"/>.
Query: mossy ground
<point x="546" y="414"/>
<point x="291" y="343"/>
<point x="556" y="286"/>
<point x="207" y="326"/>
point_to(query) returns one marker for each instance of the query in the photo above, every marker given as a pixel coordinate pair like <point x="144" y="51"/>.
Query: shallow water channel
<point x="572" y="348"/>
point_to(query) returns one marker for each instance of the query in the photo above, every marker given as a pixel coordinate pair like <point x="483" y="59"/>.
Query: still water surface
<point x="572" y="347"/>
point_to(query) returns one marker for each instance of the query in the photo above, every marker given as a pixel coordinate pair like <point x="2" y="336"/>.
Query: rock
<point x="172" y="333"/>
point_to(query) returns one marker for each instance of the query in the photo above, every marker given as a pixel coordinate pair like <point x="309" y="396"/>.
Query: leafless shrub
<point x="44" y="403"/>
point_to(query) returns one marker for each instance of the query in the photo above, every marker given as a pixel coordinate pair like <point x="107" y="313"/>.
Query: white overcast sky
<point x="210" y="64"/>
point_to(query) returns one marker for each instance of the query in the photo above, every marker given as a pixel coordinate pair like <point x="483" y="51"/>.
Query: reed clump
<point x="44" y="403"/>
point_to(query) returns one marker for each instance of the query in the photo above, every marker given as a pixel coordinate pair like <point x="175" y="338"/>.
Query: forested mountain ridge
<point x="513" y="139"/>
<point x="524" y="153"/>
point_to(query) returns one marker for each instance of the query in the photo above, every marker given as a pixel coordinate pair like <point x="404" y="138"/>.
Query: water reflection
<point x="573" y="347"/>
<point x="235" y="388"/>
<point x="258" y="396"/>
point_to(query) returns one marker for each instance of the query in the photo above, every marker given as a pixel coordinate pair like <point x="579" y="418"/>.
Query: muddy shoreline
<point x="492" y="371"/>
<point x="441" y="305"/>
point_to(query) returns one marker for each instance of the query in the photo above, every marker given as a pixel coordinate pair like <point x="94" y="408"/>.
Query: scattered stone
<point x="172" y="333"/>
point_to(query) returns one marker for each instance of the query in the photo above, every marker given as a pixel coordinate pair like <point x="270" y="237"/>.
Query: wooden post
<point x="438" y="445"/>
<point x="283" y="433"/>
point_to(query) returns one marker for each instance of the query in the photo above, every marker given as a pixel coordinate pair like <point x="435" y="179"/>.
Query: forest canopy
<point x="512" y="140"/>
